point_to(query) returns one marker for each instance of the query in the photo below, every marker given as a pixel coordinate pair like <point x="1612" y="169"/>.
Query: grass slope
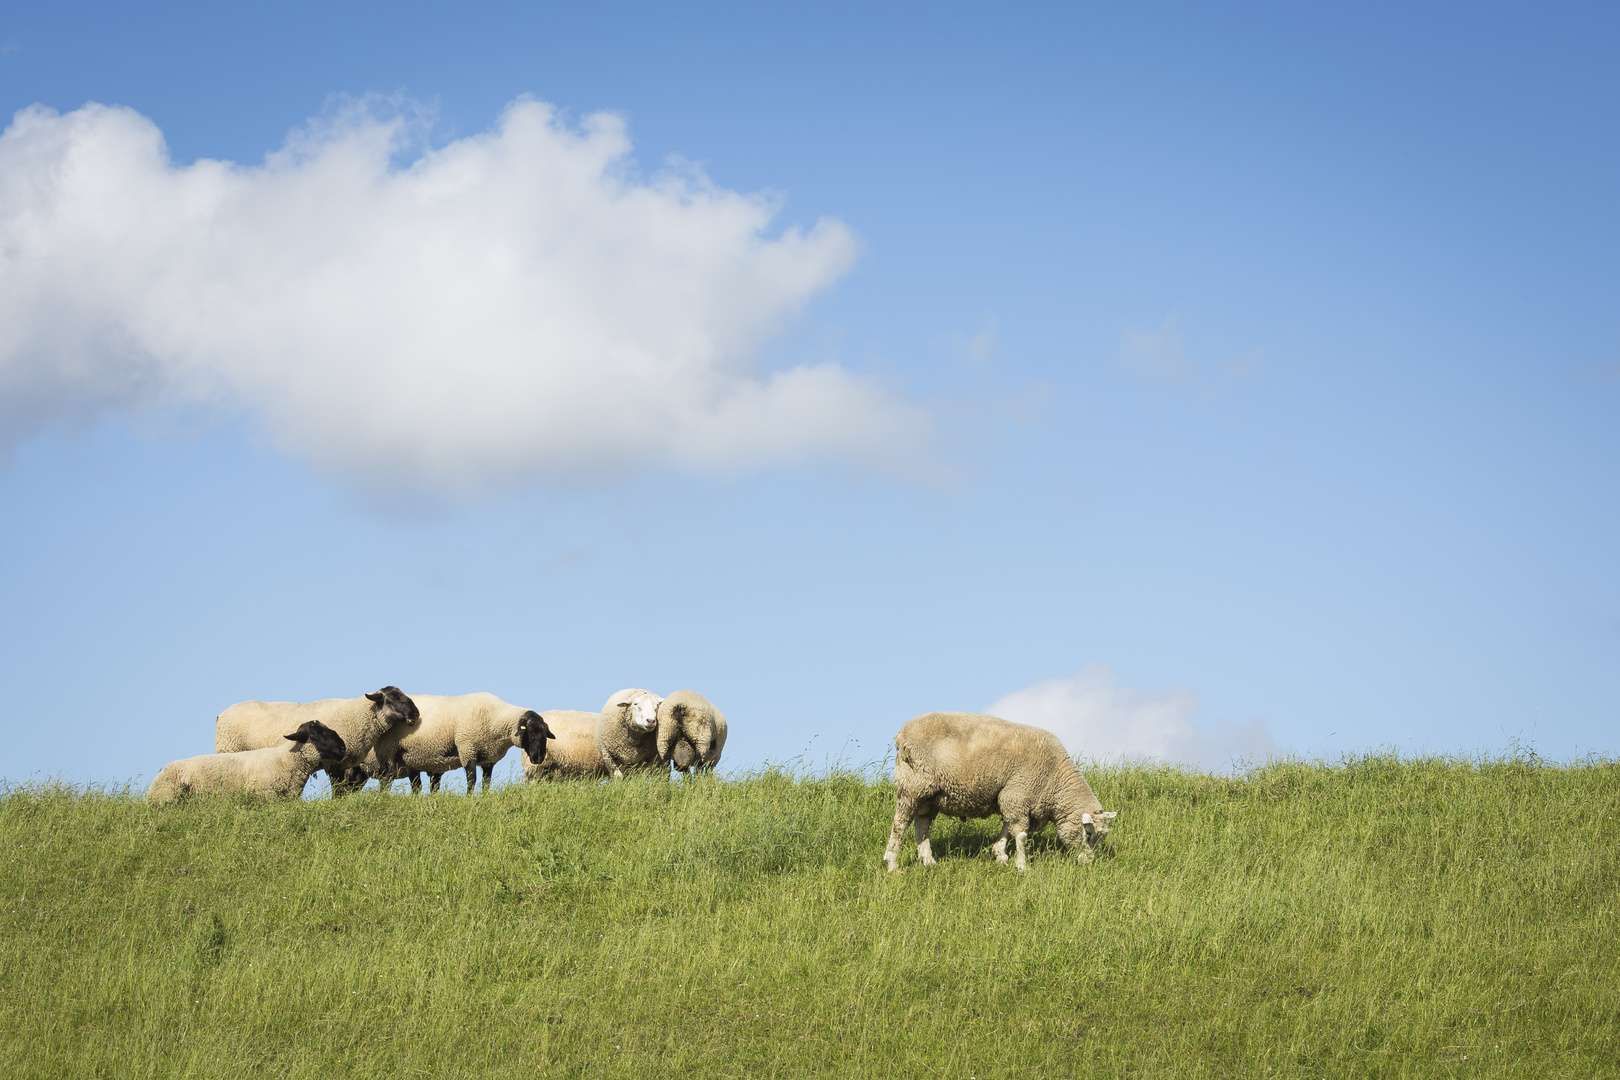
<point x="1375" y="918"/>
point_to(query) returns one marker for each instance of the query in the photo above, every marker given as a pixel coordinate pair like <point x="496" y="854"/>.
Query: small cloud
<point x="975" y="350"/>
<point x="1241" y="368"/>
<point x="1157" y="354"/>
<point x="1160" y="357"/>
<point x="1097" y="718"/>
<point x="10" y="48"/>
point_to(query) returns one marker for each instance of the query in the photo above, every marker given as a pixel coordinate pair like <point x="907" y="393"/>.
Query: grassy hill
<point x="1374" y="918"/>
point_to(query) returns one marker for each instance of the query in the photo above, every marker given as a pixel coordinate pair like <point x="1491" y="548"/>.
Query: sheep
<point x="691" y="731"/>
<point x="627" y="732"/>
<point x="572" y="751"/>
<point x="972" y="766"/>
<point x="361" y="721"/>
<point x="470" y="731"/>
<point x="279" y="770"/>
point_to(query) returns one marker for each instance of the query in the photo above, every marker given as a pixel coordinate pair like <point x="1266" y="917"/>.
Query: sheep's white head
<point x="1096" y="825"/>
<point x="643" y="706"/>
<point x="1089" y="829"/>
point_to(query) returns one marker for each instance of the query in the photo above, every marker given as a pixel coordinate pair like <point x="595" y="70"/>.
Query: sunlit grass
<point x="1374" y="918"/>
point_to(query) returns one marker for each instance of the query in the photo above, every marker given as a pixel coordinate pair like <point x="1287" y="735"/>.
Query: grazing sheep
<point x="691" y="731"/>
<point x="572" y="751"/>
<point x="470" y="731"/>
<point x="972" y="766"/>
<point x="279" y="770"/>
<point x="627" y="732"/>
<point x="361" y="721"/>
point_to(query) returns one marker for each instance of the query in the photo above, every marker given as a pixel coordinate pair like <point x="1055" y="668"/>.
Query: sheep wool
<point x="467" y="731"/>
<point x="280" y="771"/>
<point x="254" y="725"/>
<point x="627" y="732"/>
<point x="691" y="731"/>
<point x="972" y="766"/>
<point x="572" y="751"/>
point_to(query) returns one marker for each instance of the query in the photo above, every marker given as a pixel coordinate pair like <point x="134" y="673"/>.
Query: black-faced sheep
<point x="281" y="770"/>
<point x="468" y="731"/>
<point x="254" y="725"/>
<point x="971" y="766"/>
<point x="572" y="750"/>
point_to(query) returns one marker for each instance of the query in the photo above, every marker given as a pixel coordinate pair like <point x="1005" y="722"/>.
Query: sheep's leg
<point x="1019" y="826"/>
<point x="904" y="810"/>
<point x="489" y="771"/>
<point x="925" y="853"/>
<point x="1023" y="863"/>
<point x="1000" y="846"/>
<point x="416" y="783"/>
<point x="433" y="779"/>
<point x="472" y="776"/>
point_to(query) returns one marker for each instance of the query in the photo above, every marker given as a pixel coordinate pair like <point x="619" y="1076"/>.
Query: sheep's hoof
<point x="928" y="860"/>
<point x="891" y="862"/>
<point x="1085" y="856"/>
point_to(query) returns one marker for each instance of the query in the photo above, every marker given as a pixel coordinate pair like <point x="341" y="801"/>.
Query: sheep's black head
<point x="327" y="743"/>
<point x="394" y="707"/>
<point x="533" y="731"/>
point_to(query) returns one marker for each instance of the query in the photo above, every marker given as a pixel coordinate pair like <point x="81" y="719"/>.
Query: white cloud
<point x="1095" y="718"/>
<point x="512" y="306"/>
<point x="1159" y="356"/>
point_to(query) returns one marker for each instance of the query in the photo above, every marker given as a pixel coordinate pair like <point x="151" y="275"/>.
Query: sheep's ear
<point x="377" y="697"/>
<point x="1111" y="814"/>
<point x="297" y="736"/>
<point x="1085" y="819"/>
<point x="621" y="704"/>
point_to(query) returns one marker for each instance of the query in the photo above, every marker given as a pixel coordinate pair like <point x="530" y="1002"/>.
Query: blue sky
<point x="1208" y="385"/>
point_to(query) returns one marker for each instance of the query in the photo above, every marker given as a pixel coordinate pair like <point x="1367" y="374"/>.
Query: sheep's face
<point x="1089" y="829"/>
<point x="394" y="707"/>
<point x="327" y="743"/>
<point x="643" y="706"/>
<point x="533" y="732"/>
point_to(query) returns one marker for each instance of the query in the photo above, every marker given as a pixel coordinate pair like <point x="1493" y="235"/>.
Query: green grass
<point x="1375" y="918"/>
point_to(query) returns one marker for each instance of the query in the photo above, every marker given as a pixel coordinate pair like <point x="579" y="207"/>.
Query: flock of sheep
<point x="961" y="764"/>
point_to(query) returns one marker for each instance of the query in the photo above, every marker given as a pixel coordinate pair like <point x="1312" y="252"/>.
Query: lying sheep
<point x="972" y="766"/>
<point x="691" y="731"/>
<point x="470" y="731"/>
<point x="361" y="721"/>
<point x="279" y="770"/>
<point x="572" y="751"/>
<point x="627" y="732"/>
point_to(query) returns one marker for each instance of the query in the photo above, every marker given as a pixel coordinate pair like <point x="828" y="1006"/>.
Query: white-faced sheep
<point x="468" y="731"/>
<point x="972" y="766"/>
<point x="361" y="721"/>
<point x="627" y="732"/>
<point x="280" y="770"/>
<point x="691" y="731"/>
<point x="572" y="750"/>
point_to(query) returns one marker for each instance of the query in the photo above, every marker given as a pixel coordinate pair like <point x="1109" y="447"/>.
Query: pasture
<point x="1378" y="917"/>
